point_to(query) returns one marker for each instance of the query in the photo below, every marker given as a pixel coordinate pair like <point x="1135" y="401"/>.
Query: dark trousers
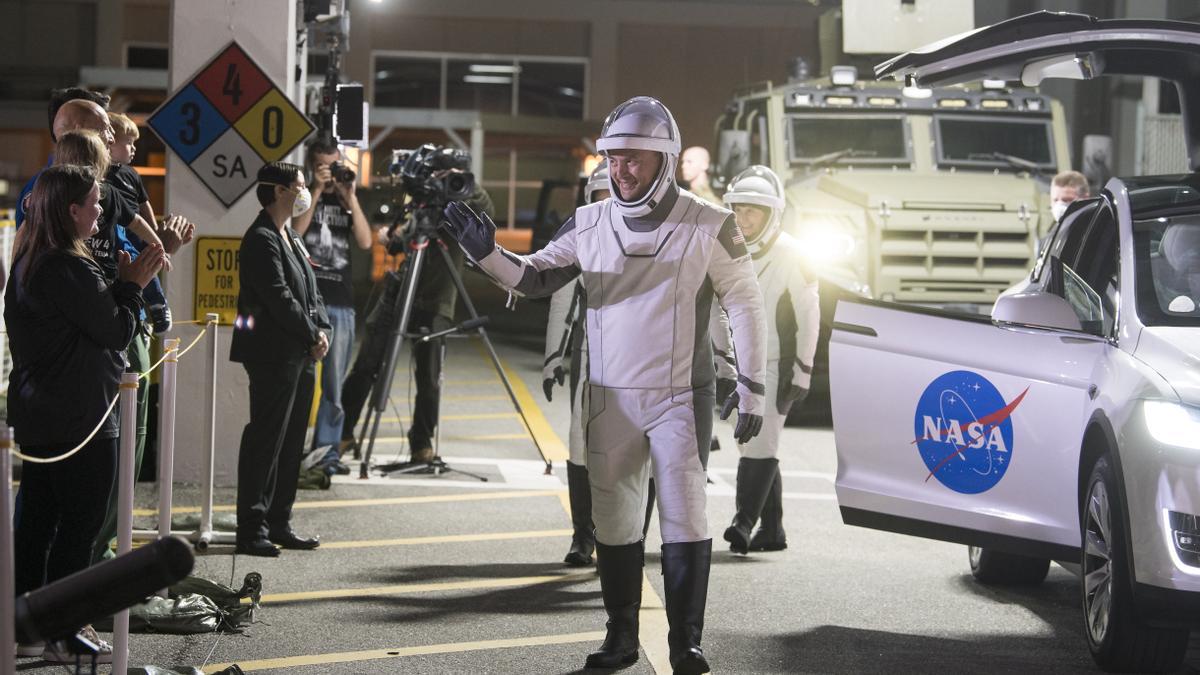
<point x="357" y="387"/>
<point x="272" y="444"/>
<point x="138" y="356"/>
<point x="62" y="508"/>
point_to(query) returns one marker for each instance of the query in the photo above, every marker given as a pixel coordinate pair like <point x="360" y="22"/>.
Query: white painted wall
<point x="199" y="30"/>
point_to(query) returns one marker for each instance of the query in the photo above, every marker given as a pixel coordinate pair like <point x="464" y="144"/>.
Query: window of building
<point x="150" y="57"/>
<point x="408" y="82"/>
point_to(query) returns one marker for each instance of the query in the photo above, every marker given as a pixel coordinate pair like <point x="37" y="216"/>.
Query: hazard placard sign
<point x="217" y="277"/>
<point x="228" y="121"/>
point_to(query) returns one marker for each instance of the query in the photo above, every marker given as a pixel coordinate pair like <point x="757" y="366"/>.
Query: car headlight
<point x="825" y="246"/>
<point x="1173" y="423"/>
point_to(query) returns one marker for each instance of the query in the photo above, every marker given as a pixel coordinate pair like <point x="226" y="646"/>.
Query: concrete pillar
<point x="602" y="71"/>
<point x="110" y="33"/>
<point x="266" y="29"/>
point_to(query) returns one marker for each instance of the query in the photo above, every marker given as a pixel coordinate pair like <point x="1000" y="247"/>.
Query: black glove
<point x="747" y="426"/>
<point x="790" y="397"/>
<point x="476" y="233"/>
<point x="548" y="383"/>
<point x="725" y="387"/>
<point x="160" y="318"/>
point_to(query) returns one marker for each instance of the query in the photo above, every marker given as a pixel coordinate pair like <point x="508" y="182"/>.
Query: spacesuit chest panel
<point x="641" y="289"/>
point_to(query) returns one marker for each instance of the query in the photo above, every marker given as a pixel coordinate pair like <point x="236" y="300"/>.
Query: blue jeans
<point x="330" y="414"/>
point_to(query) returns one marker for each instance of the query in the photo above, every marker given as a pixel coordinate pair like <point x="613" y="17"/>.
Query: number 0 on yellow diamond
<point x="273" y="126"/>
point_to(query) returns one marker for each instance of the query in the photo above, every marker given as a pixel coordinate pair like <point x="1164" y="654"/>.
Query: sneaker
<point x="67" y="651"/>
<point x="28" y="649"/>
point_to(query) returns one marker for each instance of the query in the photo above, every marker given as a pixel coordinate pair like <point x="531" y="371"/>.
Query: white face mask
<point x="302" y="203"/>
<point x="1058" y="208"/>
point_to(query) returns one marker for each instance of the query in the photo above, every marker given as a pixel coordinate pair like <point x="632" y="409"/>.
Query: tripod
<point x="424" y="235"/>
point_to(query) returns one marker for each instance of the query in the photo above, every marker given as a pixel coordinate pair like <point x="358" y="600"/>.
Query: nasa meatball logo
<point x="964" y="431"/>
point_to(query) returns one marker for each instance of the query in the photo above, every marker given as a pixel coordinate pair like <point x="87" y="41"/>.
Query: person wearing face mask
<point x="281" y="331"/>
<point x="790" y="298"/>
<point x="653" y="259"/>
<point x="1067" y="187"/>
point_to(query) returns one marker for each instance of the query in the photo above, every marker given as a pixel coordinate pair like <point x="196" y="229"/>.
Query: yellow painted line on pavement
<point x="462" y="416"/>
<point x="401" y="652"/>
<point x="435" y="587"/>
<point x="445" y="539"/>
<point x="379" y="501"/>
<point x="539" y="426"/>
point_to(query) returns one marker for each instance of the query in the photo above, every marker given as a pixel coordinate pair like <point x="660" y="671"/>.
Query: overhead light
<point x="953" y="103"/>
<point x="843" y="76"/>
<point x="994" y="103"/>
<point x="994" y="84"/>
<point x="916" y="92"/>
<point x="486" y="79"/>
<point x="493" y="68"/>
<point x="883" y="100"/>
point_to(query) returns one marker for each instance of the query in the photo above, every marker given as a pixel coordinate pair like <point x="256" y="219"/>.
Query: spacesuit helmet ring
<point x="642" y="123"/>
<point x="759" y="186"/>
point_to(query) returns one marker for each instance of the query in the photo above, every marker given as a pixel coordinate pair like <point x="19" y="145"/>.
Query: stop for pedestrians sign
<point x="228" y="121"/>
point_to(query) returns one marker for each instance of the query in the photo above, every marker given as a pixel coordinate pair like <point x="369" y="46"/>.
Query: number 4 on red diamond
<point x="233" y="83"/>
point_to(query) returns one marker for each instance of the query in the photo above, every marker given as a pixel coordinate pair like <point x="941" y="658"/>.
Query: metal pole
<point x="166" y="439"/>
<point x="129" y="386"/>
<point x="206" y="528"/>
<point x="8" y="634"/>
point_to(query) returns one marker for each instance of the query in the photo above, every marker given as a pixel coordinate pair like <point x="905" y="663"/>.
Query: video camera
<point x="432" y="174"/>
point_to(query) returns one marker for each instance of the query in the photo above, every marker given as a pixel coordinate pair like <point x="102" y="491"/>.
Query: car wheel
<point x="1118" y="641"/>
<point x="1006" y="569"/>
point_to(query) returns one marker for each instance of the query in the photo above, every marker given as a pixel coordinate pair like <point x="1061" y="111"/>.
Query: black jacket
<point x="280" y="311"/>
<point x="67" y="330"/>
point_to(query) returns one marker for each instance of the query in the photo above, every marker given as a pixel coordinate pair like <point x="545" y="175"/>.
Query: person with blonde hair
<point x="67" y="328"/>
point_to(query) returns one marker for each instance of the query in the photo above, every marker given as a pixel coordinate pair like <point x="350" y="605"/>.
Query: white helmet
<point x="643" y="123"/>
<point x="760" y="186"/>
<point x="596" y="182"/>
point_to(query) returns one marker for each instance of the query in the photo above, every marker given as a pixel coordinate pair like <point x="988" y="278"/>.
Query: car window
<point x="1167" y="270"/>
<point x="1066" y="236"/>
<point x="1088" y="253"/>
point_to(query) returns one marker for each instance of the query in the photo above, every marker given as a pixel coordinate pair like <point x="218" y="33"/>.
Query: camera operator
<point x="329" y="227"/>
<point x="433" y="308"/>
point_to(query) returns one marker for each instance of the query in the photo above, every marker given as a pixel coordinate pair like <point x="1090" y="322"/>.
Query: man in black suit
<point x="280" y="333"/>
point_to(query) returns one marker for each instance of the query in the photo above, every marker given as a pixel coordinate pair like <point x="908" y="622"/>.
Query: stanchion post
<point x="166" y="438"/>
<point x="206" y="526"/>
<point x="129" y="386"/>
<point x="8" y="634"/>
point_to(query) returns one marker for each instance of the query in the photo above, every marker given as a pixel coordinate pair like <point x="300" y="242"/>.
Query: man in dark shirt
<point x="331" y="228"/>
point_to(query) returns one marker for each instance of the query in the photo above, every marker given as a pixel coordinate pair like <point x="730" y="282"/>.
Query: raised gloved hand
<point x="160" y="318"/>
<point x="476" y="233"/>
<point x="557" y="375"/>
<point x="725" y="387"/>
<point x="790" y="397"/>
<point x="748" y="424"/>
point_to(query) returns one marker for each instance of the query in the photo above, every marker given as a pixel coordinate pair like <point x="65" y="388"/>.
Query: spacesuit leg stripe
<point x="617" y="450"/>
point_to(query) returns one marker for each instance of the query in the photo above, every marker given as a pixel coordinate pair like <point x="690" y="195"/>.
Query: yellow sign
<point x="217" y="277"/>
<point x="273" y="126"/>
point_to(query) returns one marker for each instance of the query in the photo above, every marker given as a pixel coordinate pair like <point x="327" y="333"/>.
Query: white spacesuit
<point x="793" y="316"/>
<point x="652" y="262"/>
<point x="565" y="335"/>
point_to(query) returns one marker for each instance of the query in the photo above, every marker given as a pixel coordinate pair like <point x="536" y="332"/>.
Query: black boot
<point x="770" y="535"/>
<point x="583" y="540"/>
<point x="649" y="509"/>
<point x="621" y="585"/>
<point x="754" y="478"/>
<point x="685" y="577"/>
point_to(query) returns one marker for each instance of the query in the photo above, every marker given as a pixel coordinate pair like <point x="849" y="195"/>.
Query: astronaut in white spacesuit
<point x="790" y="299"/>
<point x="565" y="336"/>
<point x="653" y="258"/>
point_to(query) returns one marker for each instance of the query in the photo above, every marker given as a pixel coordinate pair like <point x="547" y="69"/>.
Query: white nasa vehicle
<point x="1065" y="426"/>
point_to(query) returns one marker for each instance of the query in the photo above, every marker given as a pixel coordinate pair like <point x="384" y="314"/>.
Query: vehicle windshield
<point x="846" y="139"/>
<point x="994" y="143"/>
<point x="1168" y="270"/>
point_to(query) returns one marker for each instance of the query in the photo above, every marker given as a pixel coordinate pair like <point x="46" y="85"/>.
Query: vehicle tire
<point x="1117" y="640"/>
<point x="998" y="568"/>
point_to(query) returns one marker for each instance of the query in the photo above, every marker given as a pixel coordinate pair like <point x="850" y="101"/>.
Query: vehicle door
<point x="966" y="428"/>
<point x="1044" y="45"/>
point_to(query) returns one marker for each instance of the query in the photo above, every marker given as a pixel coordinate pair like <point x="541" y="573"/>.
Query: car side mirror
<point x="1036" y="308"/>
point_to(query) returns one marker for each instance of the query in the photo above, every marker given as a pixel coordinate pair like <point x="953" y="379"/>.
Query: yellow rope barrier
<point x="113" y="404"/>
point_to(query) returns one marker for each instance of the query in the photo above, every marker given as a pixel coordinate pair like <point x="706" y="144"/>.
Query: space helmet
<point x="642" y="123"/>
<point x="596" y="182"/>
<point x="760" y="186"/>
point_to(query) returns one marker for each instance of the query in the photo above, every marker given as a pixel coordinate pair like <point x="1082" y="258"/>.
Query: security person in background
<point x="653" y="258"/>
<point x="1066" y="187"/>
<point x="789" y="292"/>
<point x="279" y="335"/>
<point x="565" y="333"/>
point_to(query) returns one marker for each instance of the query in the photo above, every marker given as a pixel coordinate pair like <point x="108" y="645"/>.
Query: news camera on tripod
<point x="423" y="181"/>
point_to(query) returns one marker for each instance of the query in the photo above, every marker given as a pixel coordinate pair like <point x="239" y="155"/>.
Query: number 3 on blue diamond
<point x="189" y="123"/>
